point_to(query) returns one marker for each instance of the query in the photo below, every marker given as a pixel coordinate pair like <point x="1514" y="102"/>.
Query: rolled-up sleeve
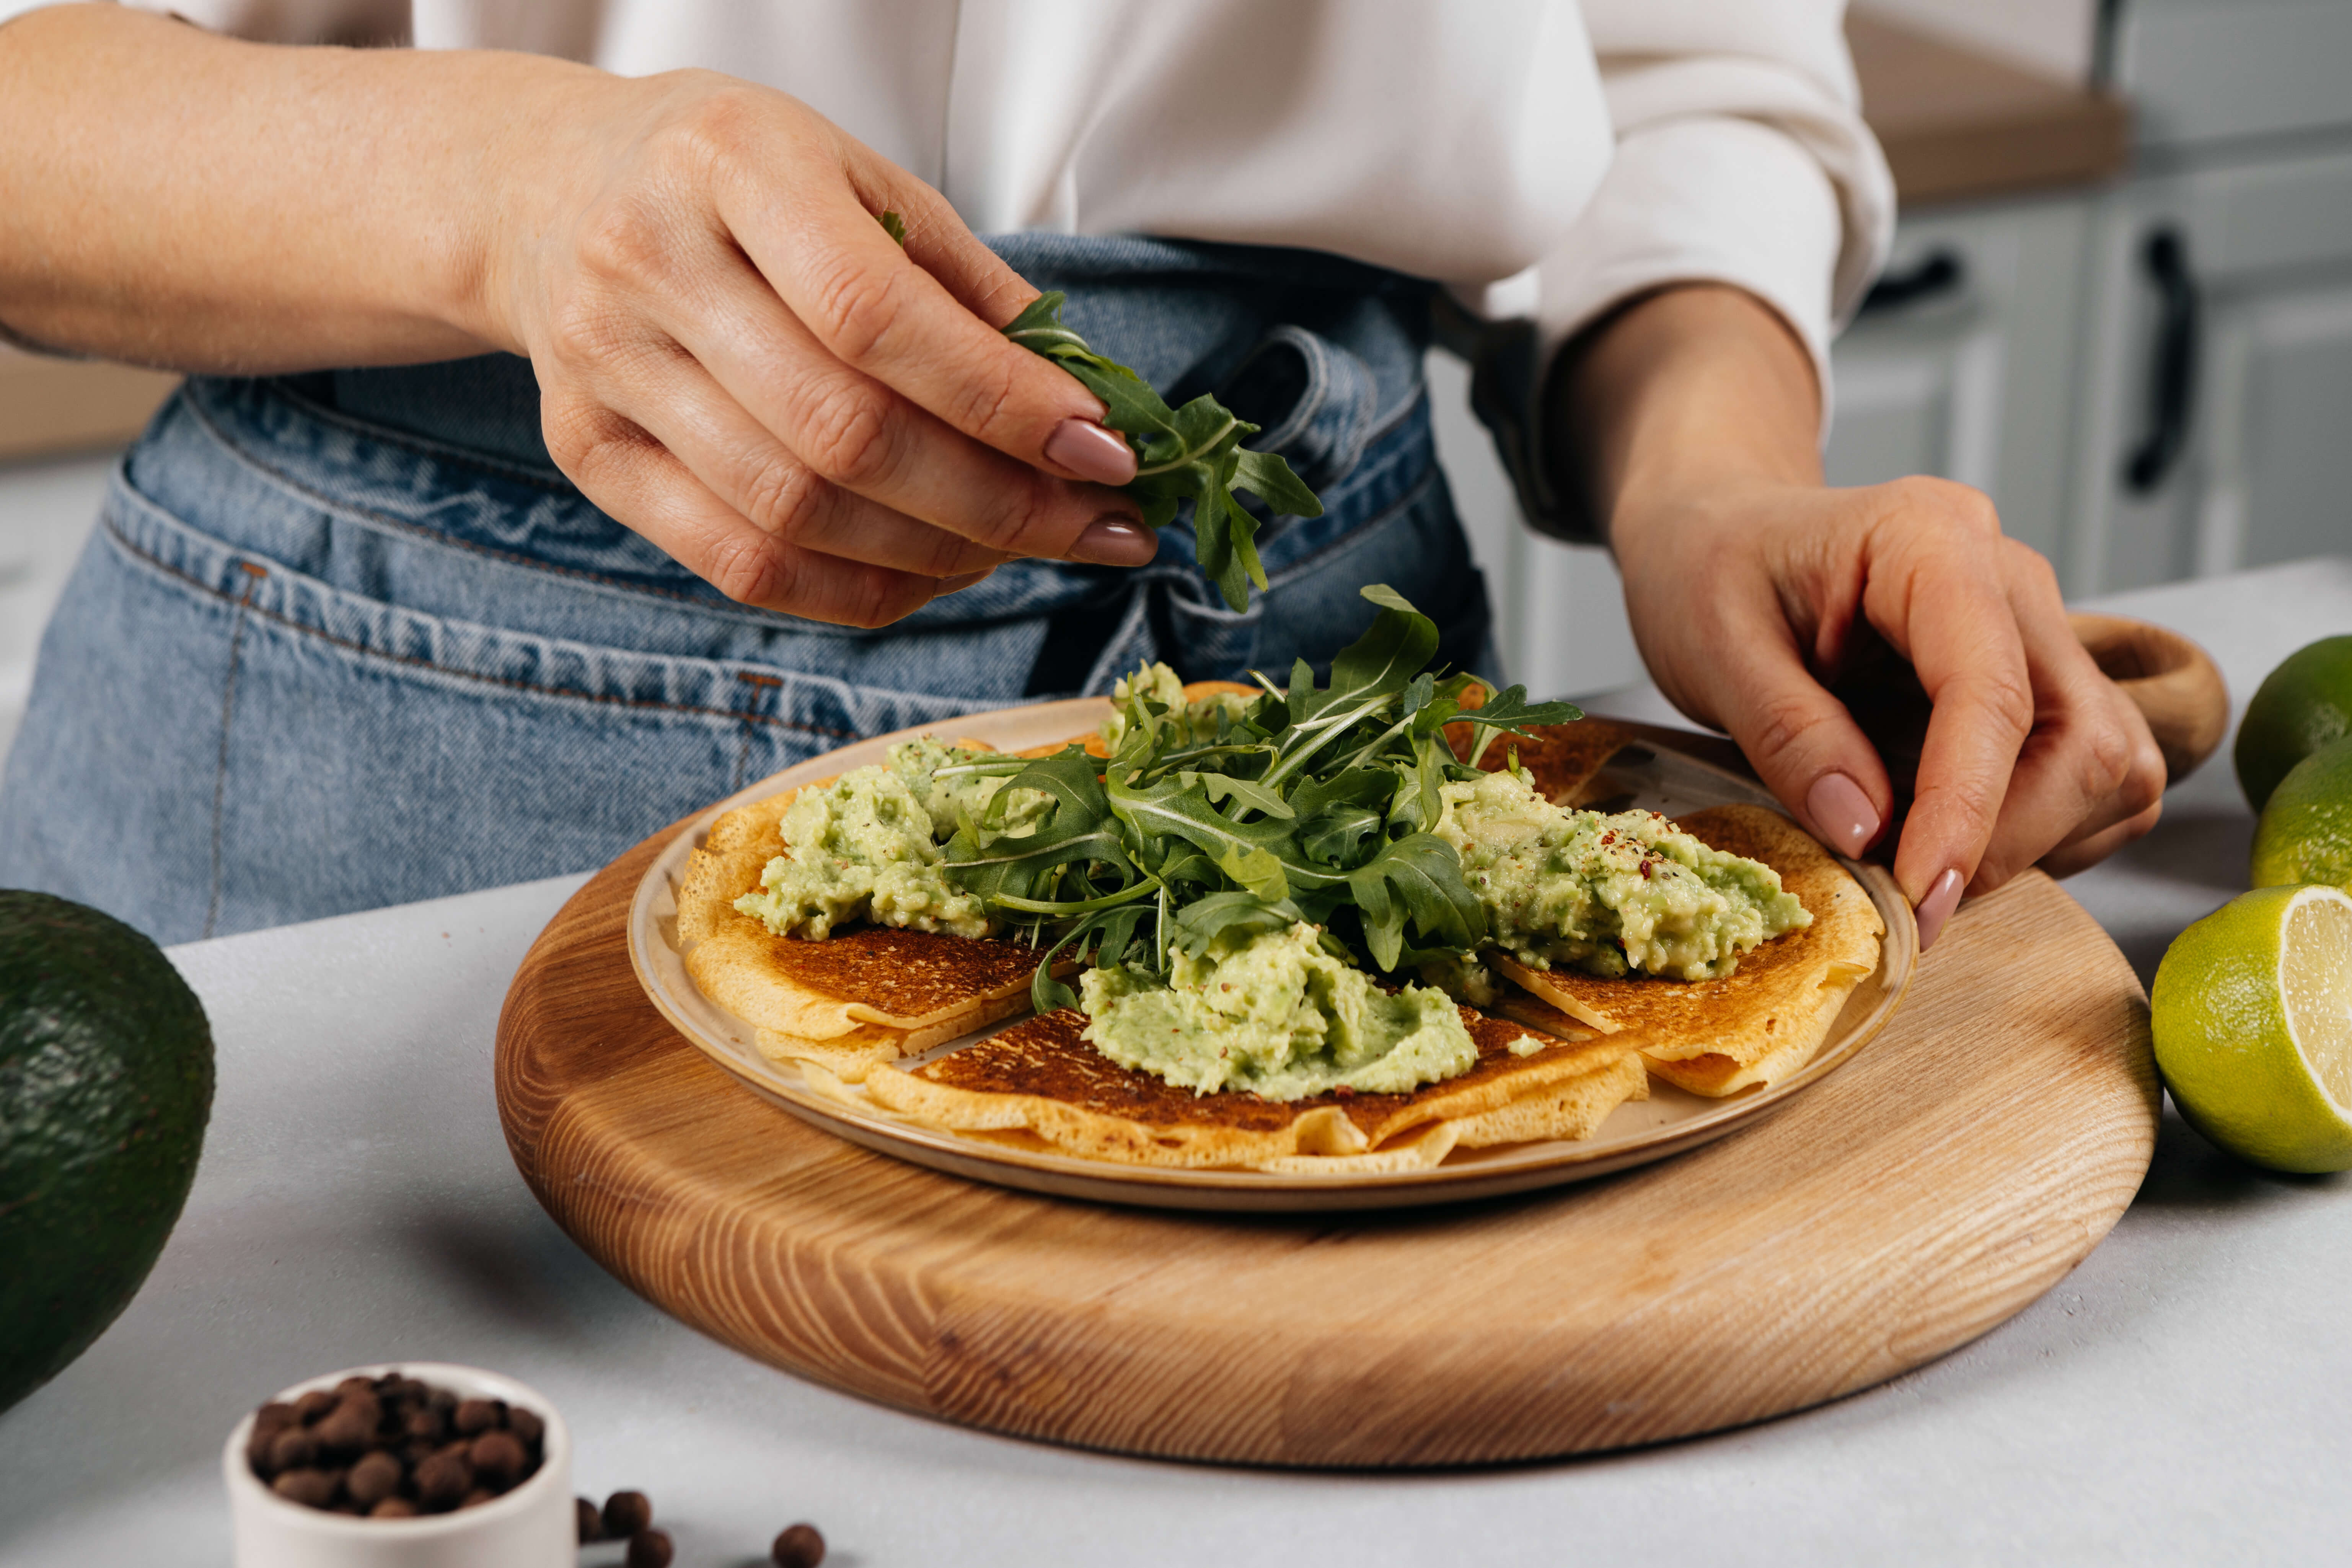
<point x="1741" y="158"/>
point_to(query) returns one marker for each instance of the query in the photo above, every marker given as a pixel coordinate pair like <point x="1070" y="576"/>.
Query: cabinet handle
<point x="2174" y="390"/>
<point x="1941" y="272"/>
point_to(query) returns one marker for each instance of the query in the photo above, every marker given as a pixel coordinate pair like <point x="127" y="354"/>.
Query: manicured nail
<point x="1091" y="452"/>
<point x="1115" y="542"/>
<point x="1943" y="897"/>
<point x="1842" y="812"/>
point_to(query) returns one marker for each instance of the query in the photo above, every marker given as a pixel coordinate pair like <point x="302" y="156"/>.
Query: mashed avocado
<point x="1606" y="893"/>
<point x="1278" y="1016"/>
<point x="867" y="847"/>
<point x="1158" y="683"/>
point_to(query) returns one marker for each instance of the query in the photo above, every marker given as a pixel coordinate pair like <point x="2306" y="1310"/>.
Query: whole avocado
<point x="106" y="1081"/>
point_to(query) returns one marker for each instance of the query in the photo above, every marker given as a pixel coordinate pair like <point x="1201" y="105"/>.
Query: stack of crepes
<point x="1557" y="1053"/>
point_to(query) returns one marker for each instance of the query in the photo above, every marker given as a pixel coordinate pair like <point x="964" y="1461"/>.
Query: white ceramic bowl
<point x="532" y="1526"/>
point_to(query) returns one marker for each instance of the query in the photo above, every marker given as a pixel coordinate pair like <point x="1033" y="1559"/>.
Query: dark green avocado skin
<point x="106" y="1080"/>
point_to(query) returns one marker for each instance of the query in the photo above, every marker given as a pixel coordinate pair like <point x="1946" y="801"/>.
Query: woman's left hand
<point x="1749" y="583"/>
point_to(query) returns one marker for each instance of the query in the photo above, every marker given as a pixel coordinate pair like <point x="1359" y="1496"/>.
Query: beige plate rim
<point x="653" y="955"/>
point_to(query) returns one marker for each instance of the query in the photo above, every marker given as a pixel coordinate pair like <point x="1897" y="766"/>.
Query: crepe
<point x="865" y="996"/>
<point x="1039" y="1077"/>
<point x="1761" y="1023"/>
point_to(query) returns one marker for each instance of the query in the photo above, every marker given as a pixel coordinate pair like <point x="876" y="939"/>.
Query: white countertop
<point x="2179" y="1397"/>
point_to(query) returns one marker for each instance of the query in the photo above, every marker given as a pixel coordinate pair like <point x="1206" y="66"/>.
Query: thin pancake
<point x="863" y="995"/>
<point x="1041" y="1077"/>
<point x="1765" y="1021"/>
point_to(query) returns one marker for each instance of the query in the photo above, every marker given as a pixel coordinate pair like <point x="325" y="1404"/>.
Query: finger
<point x="1801" y="741"/>
<point x="2082" y="853"/>
<point x="1949" y="613"/>
<point x="2090" y="762"/>
<point x="620" y="467"/>
<point x="874" y="309"/>
<point x="861" y="437"/>
<point x="676" y="400"/>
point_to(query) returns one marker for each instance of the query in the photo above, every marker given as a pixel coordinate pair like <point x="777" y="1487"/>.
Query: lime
<point x="2252" y="1015"/>
<point x="2300" y="707"/>
<point x="2305" y="831"/>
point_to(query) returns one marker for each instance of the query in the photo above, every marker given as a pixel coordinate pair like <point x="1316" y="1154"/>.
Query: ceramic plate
<point x="1671" y="1121"/>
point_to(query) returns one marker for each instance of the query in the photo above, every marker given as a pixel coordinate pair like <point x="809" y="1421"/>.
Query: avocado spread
<point x="1195" y="721"/>
<point x="1276" y="1014"/>
<point x="1608" y="893"/>
<point x="867" y="847"/>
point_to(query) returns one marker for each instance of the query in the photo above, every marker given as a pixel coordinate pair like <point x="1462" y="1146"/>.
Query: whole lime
<point x="2305" y="831"/>
<point x="2300" y="707"/>
<point x="106" y="1081"/>
<point x="2252" y="1011"/>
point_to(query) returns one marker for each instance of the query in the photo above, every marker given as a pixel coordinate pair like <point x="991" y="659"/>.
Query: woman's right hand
<point x="735" y="359"/>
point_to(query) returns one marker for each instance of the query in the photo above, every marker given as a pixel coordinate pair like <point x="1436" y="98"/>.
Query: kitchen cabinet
<point x="2218" y="408"/>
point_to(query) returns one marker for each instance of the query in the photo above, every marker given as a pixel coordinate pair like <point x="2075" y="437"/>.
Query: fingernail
<point x="1943" y="897"/>
<point x="1115" y="542"/>
<point x="1091" y="452"/>
<point x="1842" y="812"/>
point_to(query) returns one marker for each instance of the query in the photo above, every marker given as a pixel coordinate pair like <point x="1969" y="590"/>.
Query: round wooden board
<point x="1950" y="1173"/>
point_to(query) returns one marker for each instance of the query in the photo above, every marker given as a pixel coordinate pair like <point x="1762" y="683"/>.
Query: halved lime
<point x="2252" y="1015"/>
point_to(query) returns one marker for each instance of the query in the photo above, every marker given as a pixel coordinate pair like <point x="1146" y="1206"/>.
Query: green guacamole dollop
<point x="1195" y="721"/>
<point x="1607" y="893"/>
<point x="867" y="848"/>
<point x="1276" y="1016"/>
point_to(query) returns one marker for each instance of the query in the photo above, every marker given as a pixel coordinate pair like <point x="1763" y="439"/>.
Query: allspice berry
<point x="476" y="1416"/>
<point x="351" y="1424"/>
<point x="314" y="1404"/>
<point x="650" y="1548"/>
<point x="497" y="1459"/>
<point x="375" y="1477"/>
<point x="394" y="1508"/>
<point x="293" y="1449"/>
<point x="309" y="1486"/>
<point x="798" y="1547"/>
<point x="625" y="1513"/>
<point x="590" y="1522"/>
<point x="442" y="1482"/>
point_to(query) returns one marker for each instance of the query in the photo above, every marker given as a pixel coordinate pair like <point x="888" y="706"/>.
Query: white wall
<point x="2055" y="37"/>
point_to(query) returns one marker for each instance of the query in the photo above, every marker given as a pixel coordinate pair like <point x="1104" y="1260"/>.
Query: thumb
<point x="1803" y="745"/>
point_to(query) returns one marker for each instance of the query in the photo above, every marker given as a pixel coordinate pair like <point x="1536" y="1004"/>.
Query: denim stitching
<point x="228" y="708"/>
<point x="435" y="536"/>
<point x="115" y="533"/>
<point x="419" y="447"/>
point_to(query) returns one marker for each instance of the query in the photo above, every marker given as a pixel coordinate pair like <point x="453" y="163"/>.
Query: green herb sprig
<point x="1314" y="802"/>
<point x="1194" y="453"/>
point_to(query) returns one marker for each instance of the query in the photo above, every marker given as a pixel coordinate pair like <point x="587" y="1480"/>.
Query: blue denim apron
<point x="350" y="639"/>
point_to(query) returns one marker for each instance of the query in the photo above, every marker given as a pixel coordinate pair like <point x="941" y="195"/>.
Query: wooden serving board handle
<point x="2174" y="683"/>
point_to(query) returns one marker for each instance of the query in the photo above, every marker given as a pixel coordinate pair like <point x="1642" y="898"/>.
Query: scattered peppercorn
<point x="625" y="1513"/>
<point x="590" y="1522"/>
<point x="650" y="1548"/>
<point x="800" y="1546"/>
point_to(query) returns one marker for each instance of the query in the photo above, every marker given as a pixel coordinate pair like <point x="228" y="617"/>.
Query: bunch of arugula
<point x="1312" y="803"/>
<point x="1194" y="453"/>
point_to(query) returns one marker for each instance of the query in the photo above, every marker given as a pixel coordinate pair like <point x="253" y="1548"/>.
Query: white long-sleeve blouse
<point x="1545" y="158"/>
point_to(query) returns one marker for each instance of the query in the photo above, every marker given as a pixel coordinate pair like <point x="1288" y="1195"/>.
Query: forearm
<point x="1681" y="394"/>
<point x="175" y="198"/>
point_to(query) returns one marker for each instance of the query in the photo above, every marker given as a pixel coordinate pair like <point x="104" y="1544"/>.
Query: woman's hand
<point x="1751" y="587"/>
<point x="735" y="359"/>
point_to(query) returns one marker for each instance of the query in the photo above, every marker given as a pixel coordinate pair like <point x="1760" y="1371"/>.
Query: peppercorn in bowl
<point x="408" y="1465"/>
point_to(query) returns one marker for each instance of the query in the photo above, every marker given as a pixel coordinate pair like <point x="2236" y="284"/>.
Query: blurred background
<point x="2120" y="303"/>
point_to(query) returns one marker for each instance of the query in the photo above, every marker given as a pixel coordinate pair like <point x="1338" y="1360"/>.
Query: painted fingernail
<point x="1115" y="542"/>
<point x="1091" y="452"/>
<point x="1842" y="812"/>
<point x="1943" y="897"/>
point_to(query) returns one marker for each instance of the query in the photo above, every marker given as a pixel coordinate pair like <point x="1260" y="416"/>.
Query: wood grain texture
<point x="1949" y="1174"/>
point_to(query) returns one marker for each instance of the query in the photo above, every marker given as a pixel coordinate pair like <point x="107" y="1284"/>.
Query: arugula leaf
<point x="1194" y="453"/>
<point x="1431" y="896"/>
